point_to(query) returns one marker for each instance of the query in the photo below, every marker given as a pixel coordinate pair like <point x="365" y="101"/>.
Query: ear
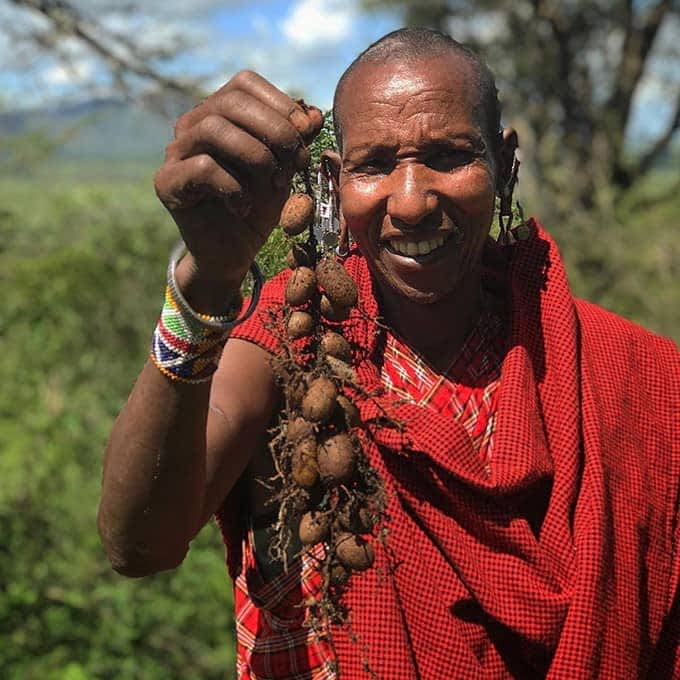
<point x="330" y="166"/>
<point x="508" y="145"/>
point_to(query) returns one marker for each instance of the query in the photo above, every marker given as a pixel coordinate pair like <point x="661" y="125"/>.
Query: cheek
<point x="474" y="190"/>
<point x="359" y="200"/>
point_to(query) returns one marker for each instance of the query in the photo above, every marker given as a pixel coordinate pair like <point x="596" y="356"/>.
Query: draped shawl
<point x="557" y="559"/>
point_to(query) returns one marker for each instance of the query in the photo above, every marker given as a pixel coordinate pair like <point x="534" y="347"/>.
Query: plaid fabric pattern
<point x="560" y="560"/>
<point x="273" y="639"/>
<point x="466" y="390"/>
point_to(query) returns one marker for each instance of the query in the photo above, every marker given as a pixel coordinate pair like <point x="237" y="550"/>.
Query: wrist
<point x="205" y="292"/>
<point x="188" y="341"/>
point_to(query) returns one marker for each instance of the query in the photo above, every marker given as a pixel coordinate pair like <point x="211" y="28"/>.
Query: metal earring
<point x="325" y="209"/>
<point x="505" y="216"/>
<point x="331" y="232"/>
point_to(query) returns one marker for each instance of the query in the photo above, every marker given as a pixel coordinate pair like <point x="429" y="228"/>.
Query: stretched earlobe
<point x="509" y="143"/>
<point x="342" y="249"/>
<point x="508" y="173"/>
<point x="330" y="166"/>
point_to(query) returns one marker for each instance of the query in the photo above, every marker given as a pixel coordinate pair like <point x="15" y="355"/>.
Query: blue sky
<point x="302" y="46"/>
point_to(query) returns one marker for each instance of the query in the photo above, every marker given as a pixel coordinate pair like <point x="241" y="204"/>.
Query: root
<point x="350" y="510"/>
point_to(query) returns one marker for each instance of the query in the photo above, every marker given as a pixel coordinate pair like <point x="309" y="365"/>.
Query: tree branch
<point x="557" y="20"/>
<point x="648" y="159"/>
<point x="67" y="21"/>
<point x="577" y="118"/>
<point x="636" y="46"/>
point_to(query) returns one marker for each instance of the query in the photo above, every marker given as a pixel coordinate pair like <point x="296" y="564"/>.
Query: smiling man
<point x="418" y="178"/>
<point x="533" y="482"/>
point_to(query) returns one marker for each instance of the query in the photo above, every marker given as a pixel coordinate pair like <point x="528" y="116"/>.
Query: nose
<point x="411" y="199"/>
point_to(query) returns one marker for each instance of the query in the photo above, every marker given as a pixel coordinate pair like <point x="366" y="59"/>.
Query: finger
<point x="306" y="119"/>
<point x="315" y="115"/>
<point x="183" y="184"/>
<point x="262" y="122"/>
<point x="235" y="150"/>
<point x="296" y="111"/>
<point x="267" y="124"/>
<point x="215" y="134"/>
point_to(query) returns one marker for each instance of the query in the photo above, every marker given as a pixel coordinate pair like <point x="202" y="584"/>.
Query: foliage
<point x="82" y="263"/>
<point x="627" y="258"/>
<point x="568" y="75"/>
<point x="82" y="267"/>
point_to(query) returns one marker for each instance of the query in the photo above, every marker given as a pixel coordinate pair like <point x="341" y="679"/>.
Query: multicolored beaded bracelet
<point x="187" y="345"/>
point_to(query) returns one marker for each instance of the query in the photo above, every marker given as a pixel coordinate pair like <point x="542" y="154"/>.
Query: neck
<point x="436" y="330"/>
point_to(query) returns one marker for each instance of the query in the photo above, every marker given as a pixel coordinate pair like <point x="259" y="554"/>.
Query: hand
<point x="227" y="173"/>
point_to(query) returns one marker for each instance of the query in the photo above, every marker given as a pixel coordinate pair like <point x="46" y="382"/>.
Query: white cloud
<point x="314" y="23"/>
<point x="63" y="74"/>
<point x="302" y="46"/>
<point x="165" y="8"/>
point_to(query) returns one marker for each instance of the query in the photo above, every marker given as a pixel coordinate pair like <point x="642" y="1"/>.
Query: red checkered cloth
<point x="271" y="636"/>
<point x="559" y="561"/>
<point x="272" y="640"/>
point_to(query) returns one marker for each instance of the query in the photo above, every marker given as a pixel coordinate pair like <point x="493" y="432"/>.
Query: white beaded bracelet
<point x="186" y="345"/>
<point x="225" y="322"/>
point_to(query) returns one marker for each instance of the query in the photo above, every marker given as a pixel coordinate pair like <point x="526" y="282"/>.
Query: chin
<point x="412" y="292"/>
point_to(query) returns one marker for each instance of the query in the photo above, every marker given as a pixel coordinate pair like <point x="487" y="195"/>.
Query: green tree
<point x="83" y="265"/>
<point x="568" y="75"/>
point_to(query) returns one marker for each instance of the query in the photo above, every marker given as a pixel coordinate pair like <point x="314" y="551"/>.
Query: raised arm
<point x="171" y="459"/>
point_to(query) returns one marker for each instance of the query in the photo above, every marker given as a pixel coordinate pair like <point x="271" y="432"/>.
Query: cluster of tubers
<point x="328" y="491"/>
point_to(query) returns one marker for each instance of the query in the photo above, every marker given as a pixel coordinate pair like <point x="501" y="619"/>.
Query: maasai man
<point x="532" y="490"/>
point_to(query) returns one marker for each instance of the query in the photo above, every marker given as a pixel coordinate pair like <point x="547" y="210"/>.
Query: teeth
<point x="424" y="247"/>
<point x="412" y="248"/>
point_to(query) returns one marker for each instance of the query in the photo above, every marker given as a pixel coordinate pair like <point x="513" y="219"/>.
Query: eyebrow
<point x="477" y="140"/>
<point x="439" y="141"/>
<point x="370" y="148"/>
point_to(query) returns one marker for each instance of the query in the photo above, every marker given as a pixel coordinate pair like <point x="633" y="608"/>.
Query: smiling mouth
<point x="417" y="247"/>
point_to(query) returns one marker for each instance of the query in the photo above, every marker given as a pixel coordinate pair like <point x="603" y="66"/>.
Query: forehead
<point x="394" y="96"/>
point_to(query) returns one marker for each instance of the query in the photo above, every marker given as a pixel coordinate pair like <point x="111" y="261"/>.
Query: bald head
<point x="421" y="44"/>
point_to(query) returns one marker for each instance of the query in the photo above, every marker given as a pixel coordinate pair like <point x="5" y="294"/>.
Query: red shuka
<point x="557" y="558"/>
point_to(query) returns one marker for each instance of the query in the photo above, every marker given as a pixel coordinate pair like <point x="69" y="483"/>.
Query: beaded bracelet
<point x="187" y="345"/>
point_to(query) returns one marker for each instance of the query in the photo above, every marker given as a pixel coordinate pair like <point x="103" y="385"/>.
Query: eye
<point x="376" y="166"/>
<point x="446" y="160"/>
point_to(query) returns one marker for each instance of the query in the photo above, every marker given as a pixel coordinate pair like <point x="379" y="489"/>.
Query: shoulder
<point x="604" y="335"/>
<point x="610" y="335"/>
<point x="632" y="367"/>
<point x="257" y="329"/>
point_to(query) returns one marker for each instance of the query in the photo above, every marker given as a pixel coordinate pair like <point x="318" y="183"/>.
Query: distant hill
<point x="115" y="129"/>
<point x="96" y="129"/>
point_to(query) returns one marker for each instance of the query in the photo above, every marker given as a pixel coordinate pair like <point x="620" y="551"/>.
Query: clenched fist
<point x="227" y="173"/>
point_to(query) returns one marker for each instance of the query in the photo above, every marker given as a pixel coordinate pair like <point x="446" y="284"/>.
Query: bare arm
<point x="171" y="460"/>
